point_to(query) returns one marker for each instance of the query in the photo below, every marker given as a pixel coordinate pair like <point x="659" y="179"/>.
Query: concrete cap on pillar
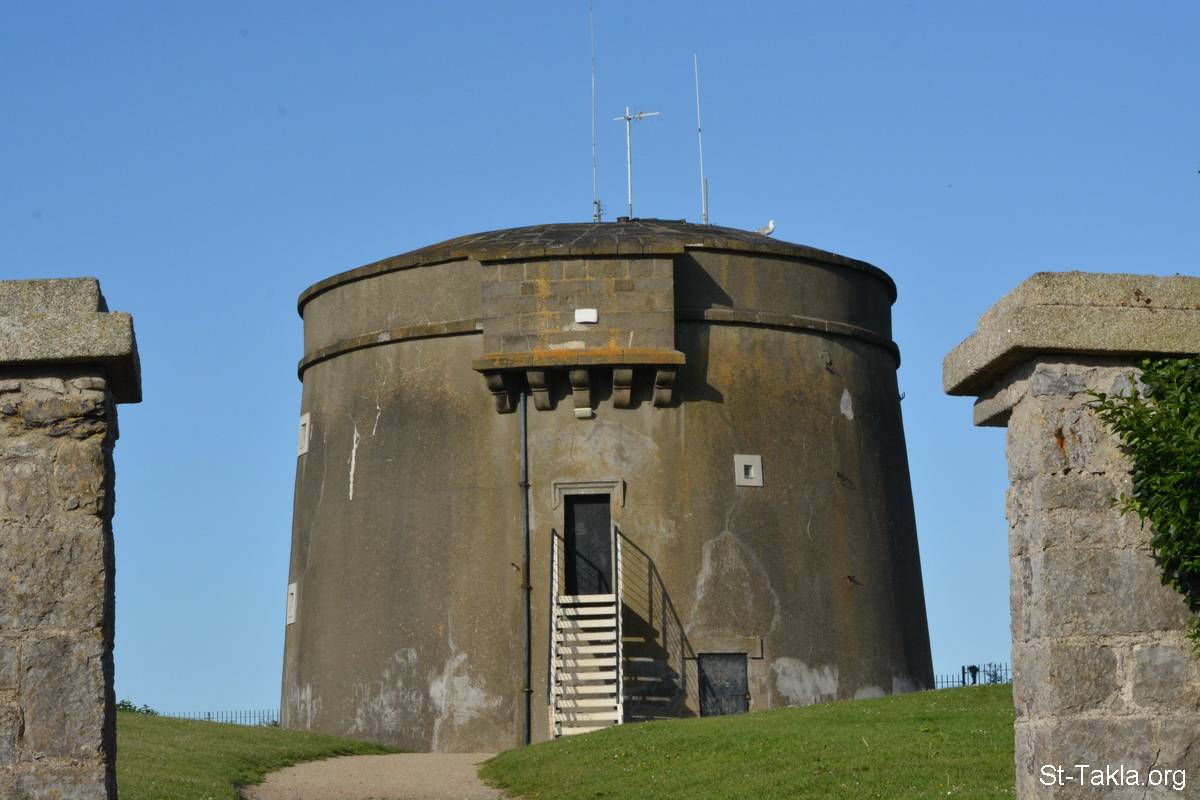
<point x="66" y="321"/>
<point x="1071" y="313"/>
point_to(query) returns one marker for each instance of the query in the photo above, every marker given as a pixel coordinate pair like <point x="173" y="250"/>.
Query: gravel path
<point x="406" y="776"/>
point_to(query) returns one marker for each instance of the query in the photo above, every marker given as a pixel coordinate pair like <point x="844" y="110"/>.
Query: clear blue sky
<point x="208" y="161"/>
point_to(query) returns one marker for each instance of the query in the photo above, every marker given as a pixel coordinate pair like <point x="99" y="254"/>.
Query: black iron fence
<point x="968" y="675"/>
<point x="256" y="716"/>
<point x="974" y="675"/>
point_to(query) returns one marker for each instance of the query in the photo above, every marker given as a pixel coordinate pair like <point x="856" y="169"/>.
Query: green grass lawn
<point x="948" y="743"/>
<point x="174" y="759"/>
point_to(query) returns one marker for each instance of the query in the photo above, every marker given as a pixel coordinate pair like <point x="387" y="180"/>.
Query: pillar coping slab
<point x="66" y="321"/>
<point x="1071" y="313"/>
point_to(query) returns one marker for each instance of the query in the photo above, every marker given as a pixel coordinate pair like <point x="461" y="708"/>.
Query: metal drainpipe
<point x="525" y="584"/>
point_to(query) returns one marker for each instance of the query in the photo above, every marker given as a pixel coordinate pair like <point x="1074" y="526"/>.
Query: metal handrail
<point x="619" y="594"/>
<point x="552" y="651"/>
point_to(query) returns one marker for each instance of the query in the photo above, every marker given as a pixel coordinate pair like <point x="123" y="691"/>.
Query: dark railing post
<point x="617" y="605"/>
<point x="550" y="591"/>
<point x="993" y="673"/>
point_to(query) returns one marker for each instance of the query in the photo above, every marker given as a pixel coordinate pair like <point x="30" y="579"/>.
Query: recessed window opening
<point x="747" y="470"/>
<point x="303" y="434"/>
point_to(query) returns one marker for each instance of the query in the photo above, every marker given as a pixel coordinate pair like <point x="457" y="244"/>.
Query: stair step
<point x="575" y="677"/>
<point x="568" y="624"/>
<point x="575" y="599"/>
<point x="605" y="610"/>
<point x="588" y="716"/>
<point x="569" y="663"/>
<point x="585" y="688"/>
<point x="585" y="636"/>
<point x="572" y="650"/>
<point x="565" y="731"/>
<point x="586" y="702"/>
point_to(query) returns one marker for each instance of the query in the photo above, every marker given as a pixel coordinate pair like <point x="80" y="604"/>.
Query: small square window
<point x="747" y="470"/>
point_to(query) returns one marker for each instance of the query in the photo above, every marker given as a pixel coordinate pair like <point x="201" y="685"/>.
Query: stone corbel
<point x="623" y="387"/>
<point x="508" y="373"/>
<point x="500" y="384"/>
<point x="664" y="386"/>
<point x="539" y="386"/>
<point x="581" y="390"/>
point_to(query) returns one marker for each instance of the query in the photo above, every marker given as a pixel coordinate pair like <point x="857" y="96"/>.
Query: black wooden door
<point x="588" y="526"/>
<point x="723" y="685"/>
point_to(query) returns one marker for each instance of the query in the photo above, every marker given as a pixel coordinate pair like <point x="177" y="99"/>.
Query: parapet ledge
<point x="66" y="321"/>
<point x="1075" y="313"/>
<point x="582" y="357"/>
<point x="504" y="373"/>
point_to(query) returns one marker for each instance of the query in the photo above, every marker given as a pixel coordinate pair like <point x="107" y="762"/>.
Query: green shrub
<point x="1159" y="425"/>
<point x="130" y="706"/>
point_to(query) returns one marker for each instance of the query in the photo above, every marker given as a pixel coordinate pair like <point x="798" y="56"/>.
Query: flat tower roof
<point x="573" y="239"/>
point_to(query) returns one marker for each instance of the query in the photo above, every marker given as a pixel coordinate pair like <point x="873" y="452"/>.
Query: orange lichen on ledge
<point x="582" y="357"/>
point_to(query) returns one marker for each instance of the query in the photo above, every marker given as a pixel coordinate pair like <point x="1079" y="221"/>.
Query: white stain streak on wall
<point x="869" y="691"/>
<point x="456" y="698"/>
<point x="353" y="457"/>
<point x="847" y="405"/>
<point x="389" y="704"/>
<point x="803" y="685"/>
<point x="304" y="707"/>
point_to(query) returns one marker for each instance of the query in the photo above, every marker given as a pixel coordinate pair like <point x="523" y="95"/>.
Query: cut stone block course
<point x="542" y="296"/>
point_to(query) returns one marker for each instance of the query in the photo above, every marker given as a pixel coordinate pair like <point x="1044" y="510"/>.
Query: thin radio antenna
<point x="629" y="119"/>
<point x="597" y="211"/>
<point x="700" y="141"/>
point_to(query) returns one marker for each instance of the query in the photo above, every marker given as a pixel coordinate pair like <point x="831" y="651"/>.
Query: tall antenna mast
<point x="629" y="119"/>
<point x="597" y="212"/>
<point x="700" y="141"/>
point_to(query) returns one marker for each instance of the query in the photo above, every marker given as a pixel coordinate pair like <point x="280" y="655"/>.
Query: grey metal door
<point x="723" y="684"/>
<point x="588" y="525"/>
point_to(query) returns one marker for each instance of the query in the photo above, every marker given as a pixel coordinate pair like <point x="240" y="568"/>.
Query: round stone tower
<point x="566" y="476"/>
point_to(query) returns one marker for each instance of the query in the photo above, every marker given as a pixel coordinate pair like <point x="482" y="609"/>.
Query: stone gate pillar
<point x="64" y="362"/>
<point x="1102" y="672"/>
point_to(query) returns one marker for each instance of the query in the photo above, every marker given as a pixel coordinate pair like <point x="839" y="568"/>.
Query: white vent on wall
<point x="747" y="470"/>
<point x="304" y="434"/>
<point x="291" y="603"/>
<point x="587" y="315"/>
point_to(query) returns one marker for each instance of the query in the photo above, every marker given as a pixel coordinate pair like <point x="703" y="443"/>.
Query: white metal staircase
<point x="585" y="653"/>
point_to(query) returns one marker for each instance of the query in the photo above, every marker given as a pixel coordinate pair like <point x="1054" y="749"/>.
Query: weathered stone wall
<point x="56" y="620"/>
<point x="1103" y="672"/>
<point x="65" y="361"/>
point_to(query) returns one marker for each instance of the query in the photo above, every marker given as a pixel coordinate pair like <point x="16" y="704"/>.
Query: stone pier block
<point x="65" y="362"/>
<point x="1102" y="671"/>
